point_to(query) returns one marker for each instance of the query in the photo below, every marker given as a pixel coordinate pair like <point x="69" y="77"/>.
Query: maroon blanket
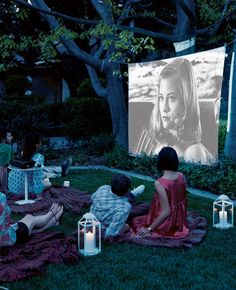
<point x="72" y="199"/>
<point x="196" y="224"/>
<point x="23" y="261"/>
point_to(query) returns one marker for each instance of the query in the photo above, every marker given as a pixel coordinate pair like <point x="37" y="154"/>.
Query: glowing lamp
<point x="89" y="235"/>
<point x="223" y="212"/>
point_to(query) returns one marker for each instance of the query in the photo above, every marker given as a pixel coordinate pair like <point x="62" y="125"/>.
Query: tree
<point x="118" y="33"/>
<point x="230" y="143"/>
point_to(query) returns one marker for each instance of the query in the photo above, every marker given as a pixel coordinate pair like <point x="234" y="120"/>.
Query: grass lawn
<point x="209" y="265"/>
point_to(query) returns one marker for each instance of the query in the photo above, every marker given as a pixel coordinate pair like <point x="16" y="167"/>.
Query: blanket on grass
<point x="22" y="261"/>
<point x="197" y="231"/>
<point x="72" y="199"/>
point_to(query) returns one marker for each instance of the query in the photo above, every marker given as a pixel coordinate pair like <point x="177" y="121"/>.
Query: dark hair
<point x="29" y="145"/>
<point x="3" y="133"/>
<point x="167" y="159"/>
<point x="120" y="184"/>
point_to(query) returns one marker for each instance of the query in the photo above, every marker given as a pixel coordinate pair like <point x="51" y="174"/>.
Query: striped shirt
<point x="110" y="209"/>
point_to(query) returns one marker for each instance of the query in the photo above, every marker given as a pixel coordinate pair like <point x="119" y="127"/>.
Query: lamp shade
<point x="89" y="235"/>
<point x="223" y="212"/>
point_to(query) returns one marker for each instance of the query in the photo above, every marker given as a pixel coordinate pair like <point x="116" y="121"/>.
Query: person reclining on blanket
<point x="168" y="211"/>
<point x="5" y="157"/>
<point x="112" y="204"/>
<point x="21" y="231"/>
<point x="37" y="180"/>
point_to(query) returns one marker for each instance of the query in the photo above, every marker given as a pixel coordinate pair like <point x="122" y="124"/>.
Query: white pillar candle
<point x="223" y="216"/>
<point x="66" y="183"/>
<point x="89" y="244"/>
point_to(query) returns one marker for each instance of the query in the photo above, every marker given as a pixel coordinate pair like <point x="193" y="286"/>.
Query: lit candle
<point x="89" y="244"/>
<point x="223" y="216"/>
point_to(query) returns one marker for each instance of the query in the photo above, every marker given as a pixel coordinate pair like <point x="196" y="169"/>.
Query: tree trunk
<point x="185" y="26"/>
<point x="117" y="105"/>
<point x="230" y="144"/>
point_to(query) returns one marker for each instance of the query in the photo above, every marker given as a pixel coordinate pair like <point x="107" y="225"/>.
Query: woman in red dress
<point x="168" y="212"/>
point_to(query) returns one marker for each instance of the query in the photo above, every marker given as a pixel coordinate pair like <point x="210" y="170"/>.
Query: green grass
<point x="209" y="265"/>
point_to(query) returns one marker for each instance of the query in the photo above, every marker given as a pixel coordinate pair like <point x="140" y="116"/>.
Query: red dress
<point x="176" y="223"/>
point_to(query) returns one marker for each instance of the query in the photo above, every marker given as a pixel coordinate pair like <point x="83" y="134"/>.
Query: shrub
<point x="146" y="165"/>
<point x="222" y="135"/>
<point x="22" y="117"/>
<point x="118" y="157"/>
<point x="86" y="117"/>
<point x="80" y="158"/>
<point x="76" y="118"/>
<point x="97" y="145"/>
<point x="85" y="89"/>
<point x="17" y="85"/>
<point x="219" y="179"/>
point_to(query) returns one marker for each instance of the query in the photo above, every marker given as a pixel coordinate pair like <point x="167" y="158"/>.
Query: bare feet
<point x="57" y="211"/>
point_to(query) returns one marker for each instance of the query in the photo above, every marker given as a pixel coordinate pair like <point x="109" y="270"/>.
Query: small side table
<point x="25" y="171"/>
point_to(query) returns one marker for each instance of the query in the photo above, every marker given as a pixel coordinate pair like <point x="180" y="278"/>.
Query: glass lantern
<point x="89" y="235"/>
<point x="223" y="212"/>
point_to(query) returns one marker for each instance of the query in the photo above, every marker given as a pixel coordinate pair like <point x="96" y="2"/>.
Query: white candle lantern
<point x="223" y="212"/>
<point x="89" y="235"/>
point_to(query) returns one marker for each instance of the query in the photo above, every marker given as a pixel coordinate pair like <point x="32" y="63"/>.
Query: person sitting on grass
<point x="112" y="204"/>
<point x="37" y="179"/>
<point x="168" y="210"/>
<point x="5" y="157"/>
<point x="16" y="180"/>
<point x="20" y="232"/>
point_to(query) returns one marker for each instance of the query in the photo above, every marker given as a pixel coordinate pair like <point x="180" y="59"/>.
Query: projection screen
<point x="176" y="102"/>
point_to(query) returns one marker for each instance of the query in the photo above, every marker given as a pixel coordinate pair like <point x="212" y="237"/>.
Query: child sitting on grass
<point x="168" y="212"/>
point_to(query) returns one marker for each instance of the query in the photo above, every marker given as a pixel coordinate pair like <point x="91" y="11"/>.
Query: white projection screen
<point x="176" y="102"/>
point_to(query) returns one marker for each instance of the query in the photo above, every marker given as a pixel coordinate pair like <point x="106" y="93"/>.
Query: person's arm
<point x="39" y="159"/>
<point x="165" y="211"/>
<point x="118" y="221"/>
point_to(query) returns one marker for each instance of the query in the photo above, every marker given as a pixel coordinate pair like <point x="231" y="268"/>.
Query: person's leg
<point x="47" y="183"/>
<point x="52" y="171"/>
<point x="54" y="221"/>
<point x="40" y="221"/>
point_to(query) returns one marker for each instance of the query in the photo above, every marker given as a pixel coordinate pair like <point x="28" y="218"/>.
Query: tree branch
<point x="213" y="28"/>
<point x="99" y="89"/>
<point x="170" y="38"/>
<point x="98" y="7"/>
<point x="126" y="10"/>
<point x="144" y="17"/>
<point x="54" y="13"/>
<point x="153" y="34"/>
<point x="69" y="44"/>
<point x="187" y="10"/>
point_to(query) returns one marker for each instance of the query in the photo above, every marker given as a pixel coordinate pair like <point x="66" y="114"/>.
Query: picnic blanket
<point x="22" y="261"/>
<point x="72" y="199"/>
<point x="197" y="231"/>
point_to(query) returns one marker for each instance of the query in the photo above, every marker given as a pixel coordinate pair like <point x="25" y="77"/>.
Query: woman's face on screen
<point x="171" y="103"/>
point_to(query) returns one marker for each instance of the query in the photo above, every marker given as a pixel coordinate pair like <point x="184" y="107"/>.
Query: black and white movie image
<point x="176" y="102"/>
